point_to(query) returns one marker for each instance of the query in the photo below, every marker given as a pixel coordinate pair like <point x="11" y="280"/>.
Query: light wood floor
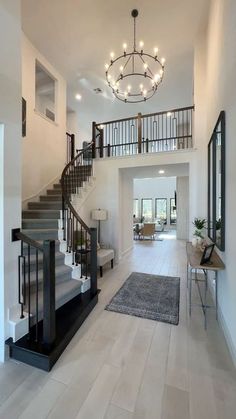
<point x="123" y="367"/>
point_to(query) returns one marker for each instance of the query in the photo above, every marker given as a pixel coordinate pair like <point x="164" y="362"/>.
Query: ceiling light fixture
<point x="134" y="71"/>
<point x="78" y="96"/>
<point x="161" y="172"/>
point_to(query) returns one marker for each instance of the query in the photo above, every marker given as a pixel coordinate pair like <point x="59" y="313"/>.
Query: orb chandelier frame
<point x="135" y="59"/>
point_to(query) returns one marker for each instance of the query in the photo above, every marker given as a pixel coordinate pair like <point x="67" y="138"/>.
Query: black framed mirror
<point x="216" y="184"/>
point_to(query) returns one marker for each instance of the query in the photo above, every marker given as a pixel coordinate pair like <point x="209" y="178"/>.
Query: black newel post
<point x="139" y="132"/>
<point x="93" y="261"/>
<point x="94" y="140"/>
<point x="49" y="304"/>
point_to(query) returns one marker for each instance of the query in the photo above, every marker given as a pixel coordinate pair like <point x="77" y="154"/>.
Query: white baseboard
<point x="227" y="335"/>
<point x="224" y="327"/>
<point x="127" y="251"/>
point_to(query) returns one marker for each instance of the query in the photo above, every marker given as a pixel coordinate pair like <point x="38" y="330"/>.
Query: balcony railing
<point x="152" y="133"/>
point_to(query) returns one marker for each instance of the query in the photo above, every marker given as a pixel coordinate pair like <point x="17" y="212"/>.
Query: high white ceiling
<point x="76" y="36"/>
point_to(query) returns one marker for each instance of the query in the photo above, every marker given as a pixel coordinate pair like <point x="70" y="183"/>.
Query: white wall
<point x="125" y="216"/>
<point x="215" y="90"/>
<point x="114" y="192"/>
<point x="182" y="190"/>
<point x="44" y="147"/>
<point x="10" y="156"/>
<point x="155" y="188"/>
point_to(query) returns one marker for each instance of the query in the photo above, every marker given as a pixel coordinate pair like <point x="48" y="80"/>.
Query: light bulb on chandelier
<point x="145" y="71"/>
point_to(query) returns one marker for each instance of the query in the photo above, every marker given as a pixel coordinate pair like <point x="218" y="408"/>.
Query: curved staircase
<point x="42" y="222"/>
<point x="57" y="280"/>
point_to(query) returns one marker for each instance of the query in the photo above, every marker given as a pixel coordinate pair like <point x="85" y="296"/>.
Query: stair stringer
<point x="78" y="201"/>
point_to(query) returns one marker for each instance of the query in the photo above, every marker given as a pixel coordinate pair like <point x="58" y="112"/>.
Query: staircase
<point x="57" y="278"/>
<point x="41" y="222"/>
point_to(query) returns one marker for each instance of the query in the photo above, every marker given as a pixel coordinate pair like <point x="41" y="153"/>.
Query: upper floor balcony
<point x="151" y="133"/>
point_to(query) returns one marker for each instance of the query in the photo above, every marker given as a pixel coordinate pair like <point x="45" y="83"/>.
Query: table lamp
<point x="99" y="215"/>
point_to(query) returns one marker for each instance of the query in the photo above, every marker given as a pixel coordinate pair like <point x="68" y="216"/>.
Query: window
<point x="136" y="208"/>
<point x="161" y="209"/>
<point x="45" y="92"/>
<point x="146" y="210"/>
<point x="172" y="211"/>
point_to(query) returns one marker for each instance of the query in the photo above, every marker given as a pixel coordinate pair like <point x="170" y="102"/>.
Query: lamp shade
<point x="99" y="214"/>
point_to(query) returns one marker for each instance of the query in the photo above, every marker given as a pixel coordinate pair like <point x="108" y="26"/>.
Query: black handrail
<point x="80" y="239"/>
<point x="168" y="130"/>
<point x="66" y="194"/>
<point x="44" y="320"/>
<point x="146" y="115"/>
<point x="70" y="146"/>
<point x="33" y="243"/>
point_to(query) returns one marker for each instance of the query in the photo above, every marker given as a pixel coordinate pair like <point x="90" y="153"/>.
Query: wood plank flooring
<point x="124" y="367"/>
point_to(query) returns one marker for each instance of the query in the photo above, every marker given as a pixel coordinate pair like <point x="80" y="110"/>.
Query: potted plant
<point x="199" y="224"/>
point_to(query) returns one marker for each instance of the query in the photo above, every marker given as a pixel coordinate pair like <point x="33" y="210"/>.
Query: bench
<point x="104" y="256"/>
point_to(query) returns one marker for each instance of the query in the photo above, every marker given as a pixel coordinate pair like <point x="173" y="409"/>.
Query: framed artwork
<point x="23" y="117"/>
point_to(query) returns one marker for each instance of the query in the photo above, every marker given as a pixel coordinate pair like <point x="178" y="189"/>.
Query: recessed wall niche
<point x="45" y="92"/>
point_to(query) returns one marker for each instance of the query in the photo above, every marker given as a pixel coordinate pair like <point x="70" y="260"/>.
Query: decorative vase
<point x="194" y="242"/>
<point x="199" y="241"/>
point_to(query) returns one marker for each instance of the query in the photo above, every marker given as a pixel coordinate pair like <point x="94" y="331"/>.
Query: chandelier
<point x="135" y="76"/>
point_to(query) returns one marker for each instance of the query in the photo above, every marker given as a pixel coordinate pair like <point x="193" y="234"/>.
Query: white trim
<point x="127" y="251"/>
<point x="223" y="325"/>
<point x="227" y="335"/>
<point x="42" y="191"/>
<point x="147" y="155"/>
<point x="45" y="117"/>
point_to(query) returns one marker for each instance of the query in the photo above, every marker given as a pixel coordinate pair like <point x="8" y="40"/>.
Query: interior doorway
<point x="154" y="208"/>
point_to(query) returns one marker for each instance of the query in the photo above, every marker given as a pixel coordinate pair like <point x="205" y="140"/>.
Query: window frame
<point x="159" y="199"/>
<point x="171" y="222"/>
<point x="137" y="212"/>
<point x="147" y="199"/>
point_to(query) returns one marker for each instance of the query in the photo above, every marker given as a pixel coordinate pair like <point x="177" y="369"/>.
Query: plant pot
<point x="199" y="241"/>
<point x="194" y="242"/>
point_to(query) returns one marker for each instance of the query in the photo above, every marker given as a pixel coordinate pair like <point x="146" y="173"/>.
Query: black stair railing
<point x="37" y="298"/>
<point x="169" y="130"/>
<point x="81" y="241"/>
<point x="70" y="147"/>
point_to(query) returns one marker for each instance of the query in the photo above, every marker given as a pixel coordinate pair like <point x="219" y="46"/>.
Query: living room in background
<point x="146" y="209"/>
<point x="161" y="209"/>
<point x="136" y="208"/>
<point x="173" y="215"/>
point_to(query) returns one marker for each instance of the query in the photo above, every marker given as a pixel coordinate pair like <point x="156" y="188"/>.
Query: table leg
<point x="190" y="292"/>
<point x="216" y="288"/>
<point x="205" y="301"/>
<point x="187" y="274"/>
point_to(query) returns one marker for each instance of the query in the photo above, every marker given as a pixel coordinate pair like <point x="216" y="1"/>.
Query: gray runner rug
<point x="149" y="296"/>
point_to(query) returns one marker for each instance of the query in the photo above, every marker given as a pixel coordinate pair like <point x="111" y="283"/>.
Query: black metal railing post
<point x="49" y="300"/>
<point x="94" y="140"/>
<point x="139" y="132"/>
<point x="72" y="146"/>
<point x="101" y="138"/>
<point x="93" y="261"/>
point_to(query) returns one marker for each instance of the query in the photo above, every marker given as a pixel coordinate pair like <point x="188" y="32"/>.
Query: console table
<point x="194" y="256"/>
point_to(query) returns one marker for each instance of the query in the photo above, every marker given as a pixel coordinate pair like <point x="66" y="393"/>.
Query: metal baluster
<point x="86" y="254"/>
<point x="20" y="288"/>
<point x="29" y="296"/>
<point x="37" y="296"/>
<point x="81" y="251"/>
<point x="73" y="240"/>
